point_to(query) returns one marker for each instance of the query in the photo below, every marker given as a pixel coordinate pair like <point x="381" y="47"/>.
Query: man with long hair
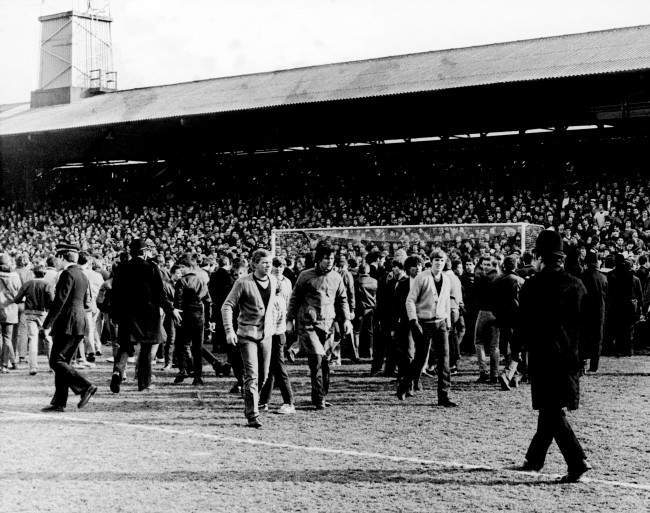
<point x="318" y="298"/>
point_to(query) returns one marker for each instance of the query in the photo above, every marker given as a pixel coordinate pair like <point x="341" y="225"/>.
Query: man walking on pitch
<point x="317" y="299"/>
<point x="138" y="302"/>
<point x="67" y="318"/>
<point x="429" y="309"/>
<point x="552" y="322"/>
<point x="255" y="297"/>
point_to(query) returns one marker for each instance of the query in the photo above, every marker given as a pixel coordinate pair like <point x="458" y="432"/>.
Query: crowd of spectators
<point x="607" y="215"/>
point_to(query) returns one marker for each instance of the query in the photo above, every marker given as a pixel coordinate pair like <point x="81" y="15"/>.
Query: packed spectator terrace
<point x="234" y="216"/>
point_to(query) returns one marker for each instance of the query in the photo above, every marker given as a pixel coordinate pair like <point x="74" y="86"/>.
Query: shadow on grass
<point x="421" y="475"/>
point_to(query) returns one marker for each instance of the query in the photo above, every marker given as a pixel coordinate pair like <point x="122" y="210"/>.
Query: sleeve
<point x="341" y="302"/>
<point x="296" y="298"/>
<point x="18" y="298"/>
<point x="179" y="290"/>
<point x="232" y="300"/>
<point x="63" y="288"/>
<point x="349" y="282"/>
<point x="414" y="293"/>
<point x="159" y="287"/>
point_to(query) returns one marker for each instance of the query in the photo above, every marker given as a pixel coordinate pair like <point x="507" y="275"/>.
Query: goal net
<point x="466" y="238"/>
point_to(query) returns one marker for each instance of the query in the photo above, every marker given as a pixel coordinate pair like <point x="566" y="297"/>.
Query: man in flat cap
<point x="137" y="305"/>
<point x="67" y="318"/>
<point x="551" y="324"/>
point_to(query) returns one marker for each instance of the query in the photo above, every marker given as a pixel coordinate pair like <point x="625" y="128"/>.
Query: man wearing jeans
<point x="429" y="310"/>
<point x="318" y="298"/>
<point x="255" y="297"/>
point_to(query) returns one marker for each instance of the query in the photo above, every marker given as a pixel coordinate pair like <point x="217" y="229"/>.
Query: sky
<point x="167" y="41"/>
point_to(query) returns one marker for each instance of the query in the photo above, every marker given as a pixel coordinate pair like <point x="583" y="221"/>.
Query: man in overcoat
<point x="595" y="308"/>
<point x="552" y="321"/>
<point x="67" y="319"/>
<point x="138" y="302"/>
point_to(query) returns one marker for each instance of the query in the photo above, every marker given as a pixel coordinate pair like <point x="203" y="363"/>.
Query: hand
<point x="454" y="317"/>
<point x="212" y="326"/>
<point x="416" y="328"/>
<point x="289" y="326"/>
<point x="178" y="317"/>
<point x="231" y="338"/>
<point x="347" y="328"/>
<point x="393" y="333"/>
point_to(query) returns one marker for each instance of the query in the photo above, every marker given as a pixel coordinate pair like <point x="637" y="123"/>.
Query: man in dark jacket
<point x="67" y="318"/>
<point x="365" y="296"/>
<point x="552" y="320"/>
<point x="506" y="311"/>
<point x="625" y="299"/>
<point x="402" y="337"/>
<point x="137" y="305"/>
<point x="486" y="332"/>
<point x="595" y="308"/>
<point x="191" y="300"/>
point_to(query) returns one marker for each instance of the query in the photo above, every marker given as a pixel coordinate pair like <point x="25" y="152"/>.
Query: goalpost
<point x="507" y="236"/>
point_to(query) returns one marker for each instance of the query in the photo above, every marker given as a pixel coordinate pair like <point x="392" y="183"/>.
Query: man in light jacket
<point x="429" y="310"/>
<point x="255" y="297"/>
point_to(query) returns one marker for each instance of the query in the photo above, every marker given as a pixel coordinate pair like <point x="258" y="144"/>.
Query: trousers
<point x="65" y="376"/>
<point x="552" y="424"/>
<point x="277" y="371"/>
<point x="256" y="359"/>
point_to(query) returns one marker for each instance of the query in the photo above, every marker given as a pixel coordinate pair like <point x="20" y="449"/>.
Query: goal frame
<point x="520" y="226"/>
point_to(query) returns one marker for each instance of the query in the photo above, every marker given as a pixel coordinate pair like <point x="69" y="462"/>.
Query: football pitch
<point x="181" y="448"/>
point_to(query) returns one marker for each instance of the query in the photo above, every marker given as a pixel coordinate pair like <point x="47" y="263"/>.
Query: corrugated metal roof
<point x="591" y="53"/>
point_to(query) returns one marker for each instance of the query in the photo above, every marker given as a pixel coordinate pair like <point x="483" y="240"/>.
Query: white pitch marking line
<point x="323" y="450"/>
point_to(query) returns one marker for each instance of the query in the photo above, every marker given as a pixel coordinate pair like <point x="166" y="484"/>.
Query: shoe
<point x="167" y="368"/>
<point x="483" y="378"/>
<point x="197" y="382"/>
<point x="494" y="380"/>
<point x="90" y="357"/>
<point x="33" y="372"/>
<point x="574" y="476"/>
<point x="254" y="423"/>
<point x="401" y="395"/>
<point x="85" y="397"/>
<point x="98" y="353"/>
<point x="160" y="360"/>
<point x="409" y="393"/>
<point x="322" y="405"/>
<point x="147" y="389"/>
<point x="447" y="403"/>
<point x="263" y="407"/>
<point x="287" y="409"/>
<point x="505" y="382"/>
<point x="529" y="467"/>
<point x="53" y="408"/>
<point x="116" y="381"/>
<point x="453" y="371"/>
<point x="88" y="365"/>
<point x="110" y="359"/>
<point x="235" y="389"/>
<point x="226" y="370"/>
<point x="180" y="377"/>
<point x="4" y="370"/>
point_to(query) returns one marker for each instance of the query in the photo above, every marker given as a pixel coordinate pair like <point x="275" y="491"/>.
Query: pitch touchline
<point x="322" y="450"/>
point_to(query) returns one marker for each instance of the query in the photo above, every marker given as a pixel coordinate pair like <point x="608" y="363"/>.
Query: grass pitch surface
<point x="181" y="448"/>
